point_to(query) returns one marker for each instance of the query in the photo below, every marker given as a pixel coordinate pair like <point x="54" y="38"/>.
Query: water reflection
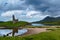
<point x="6" y="31"/>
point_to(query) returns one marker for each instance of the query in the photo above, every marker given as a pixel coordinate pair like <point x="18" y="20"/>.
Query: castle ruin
<point x="14" y="20"/>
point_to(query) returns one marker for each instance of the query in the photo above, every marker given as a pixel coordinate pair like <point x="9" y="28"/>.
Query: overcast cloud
<point x="28" y="10"/>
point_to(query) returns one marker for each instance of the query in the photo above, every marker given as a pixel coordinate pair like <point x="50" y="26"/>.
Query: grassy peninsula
<point x="10" y="24"/>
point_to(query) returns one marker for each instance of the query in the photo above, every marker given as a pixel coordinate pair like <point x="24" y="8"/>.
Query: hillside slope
<point x="50" y="20"/>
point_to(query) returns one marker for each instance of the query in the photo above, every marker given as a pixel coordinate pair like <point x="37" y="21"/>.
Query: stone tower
<point x="14" y="20"/>
<point x="13" y="17"/>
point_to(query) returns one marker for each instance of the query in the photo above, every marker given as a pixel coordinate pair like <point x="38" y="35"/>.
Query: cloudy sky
<point x="28" y="10"/>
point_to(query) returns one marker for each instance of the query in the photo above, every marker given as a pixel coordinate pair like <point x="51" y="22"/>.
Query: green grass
<point x="40" y="26"/>
<point x="52" y="35"/>
<point x="51" y="23"/>
<point x="10" y="24"/>
<point x="11" y="38"/>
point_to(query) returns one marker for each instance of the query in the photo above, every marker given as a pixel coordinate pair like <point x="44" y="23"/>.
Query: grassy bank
<point x="10" y="24"/>
<point x="52" y="35"/>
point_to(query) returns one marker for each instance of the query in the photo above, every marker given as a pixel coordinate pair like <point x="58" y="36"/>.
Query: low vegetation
<point x="10" y="24"/>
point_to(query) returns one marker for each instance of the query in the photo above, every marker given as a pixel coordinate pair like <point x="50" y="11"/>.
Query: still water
<point x="36" y="24"/>
<point x="6" y="31"/>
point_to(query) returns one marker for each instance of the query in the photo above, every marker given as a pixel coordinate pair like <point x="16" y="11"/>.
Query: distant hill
<point x="49" y="20"/>
<point x="1" y="21"/>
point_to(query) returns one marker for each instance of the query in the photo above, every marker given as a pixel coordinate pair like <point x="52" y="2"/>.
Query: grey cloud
<point x="48" y="7"/>
<point x="6" y="6"/>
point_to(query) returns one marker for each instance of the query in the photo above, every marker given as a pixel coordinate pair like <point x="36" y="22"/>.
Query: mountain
<point x="49" y="20"/>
